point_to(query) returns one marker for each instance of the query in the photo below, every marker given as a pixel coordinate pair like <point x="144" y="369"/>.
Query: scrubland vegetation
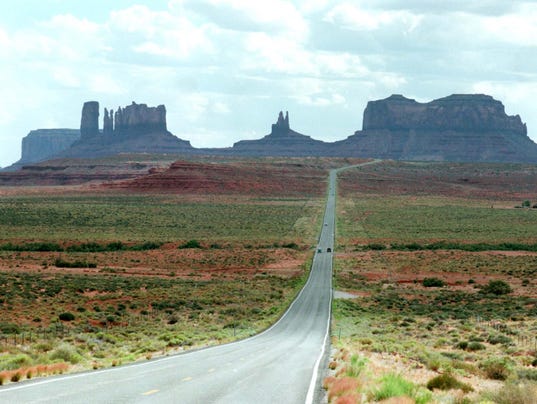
<point x="91" y="281"/>
<point x="443" y="270"/>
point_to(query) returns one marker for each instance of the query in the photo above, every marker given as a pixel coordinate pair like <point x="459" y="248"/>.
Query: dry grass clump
<point x="19" y="374"/>
<point x="341" y="387"/>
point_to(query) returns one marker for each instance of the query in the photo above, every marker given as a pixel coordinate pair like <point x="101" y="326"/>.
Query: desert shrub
<point x="462" y="345"/>
<point x="393" y="385"/>
<point x="499" y="339"/>
<point x="376" y="247"/>
<point x="528" y="374"/>
<point x="292" y="246"/>
<point x="433" y="282"/>
<point x="148" y="245"/>
<point x="115" y="246"/>
<point x="86" y="247"/>
<point x="9" y="328"/>
<point x="496" y="368"/>
<point x="66" y="316"/>
<point x="447" y="381"/>
<point x="497" y="288"/>
<point x="66" y="353"/>
<point x="31" y="247"/>
<point x="15" y="362"/>
<point x="514" y="394"/>
<point x="60" y="263"/>
<point x="191" y="244"/>
<point x="475" y="346"/>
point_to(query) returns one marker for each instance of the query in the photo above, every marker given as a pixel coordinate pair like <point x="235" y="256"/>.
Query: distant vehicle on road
<point x="328" y="249"/>
<point x="319" y="250"/>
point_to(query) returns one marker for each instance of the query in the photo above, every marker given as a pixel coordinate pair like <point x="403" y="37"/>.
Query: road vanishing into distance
<point x="280" y="365"/>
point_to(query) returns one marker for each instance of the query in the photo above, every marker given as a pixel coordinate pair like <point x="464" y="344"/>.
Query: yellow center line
<point x="186" y="379"/>
<point x="148" y="393"/>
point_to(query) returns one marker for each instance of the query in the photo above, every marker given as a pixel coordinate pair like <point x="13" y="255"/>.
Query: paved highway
<point x="280" y="365"/>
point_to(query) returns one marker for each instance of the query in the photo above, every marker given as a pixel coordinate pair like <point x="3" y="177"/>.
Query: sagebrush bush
<point x="496" y="368"/>
<point x="447" y="381"/>
<point x="191" y="244"/>
<point x="475" y="346"/>
<point x="66" y="316"/>
<point x="497" y="288"/>
<point x="515" y="394"/>
<point x="433" y="282"/>
<point x="67" y="353"/>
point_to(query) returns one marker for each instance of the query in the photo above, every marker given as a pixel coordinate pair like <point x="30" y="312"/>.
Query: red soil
<point x="231" y="178"/>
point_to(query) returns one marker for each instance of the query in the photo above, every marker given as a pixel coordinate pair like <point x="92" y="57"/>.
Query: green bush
<point x="496" y="368"/>
<point x="447" y="381"/>
<point x="528" y="374"/>
<point x="475" y="346"/>
<point x="191" y="244"/>
<point x="376" y="247"/>
<point x="66" y="316"/>
<point x="497" y="288"/>
<point x="514" y="394"/>
<point x="433" y="282"/>
<point x="9" y="328"/>
<point x="60" y="263"/>
<point x="499" y="339"/>
<point x="65" y="353"/>
<point x="462" y="345"/>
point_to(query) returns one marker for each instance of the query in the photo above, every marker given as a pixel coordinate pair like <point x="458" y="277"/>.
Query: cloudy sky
<point x="225" y="68"/>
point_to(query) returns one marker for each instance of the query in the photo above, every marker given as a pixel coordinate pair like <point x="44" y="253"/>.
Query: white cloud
<point x="352" y="17"/>
<point x="516" y="28"/>
<point x="321" y="100"/>
<point x="274" y="17"/>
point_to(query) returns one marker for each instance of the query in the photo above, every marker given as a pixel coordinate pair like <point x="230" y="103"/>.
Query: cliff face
<point x="282" y="141"/>
<point x="455" y="128"/>
<point x="137" y="119"/>
<point x="462" y="112"/>
<point x="41" y="144"/>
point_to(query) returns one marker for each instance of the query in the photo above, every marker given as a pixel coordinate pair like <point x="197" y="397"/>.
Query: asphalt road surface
<point x="280" y="365"/>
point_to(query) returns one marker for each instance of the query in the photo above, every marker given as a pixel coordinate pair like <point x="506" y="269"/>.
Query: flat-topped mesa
<point x="281" y="127"/>
<point x="137" y="119"/>
<point x="89" y="123"/>
<point x="459" y="112"/>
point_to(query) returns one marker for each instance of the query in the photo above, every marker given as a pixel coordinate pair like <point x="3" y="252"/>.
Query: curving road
<point x="279" y="365"/>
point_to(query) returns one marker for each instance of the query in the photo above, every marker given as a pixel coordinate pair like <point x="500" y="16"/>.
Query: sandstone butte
<point x="460" y="127"/>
